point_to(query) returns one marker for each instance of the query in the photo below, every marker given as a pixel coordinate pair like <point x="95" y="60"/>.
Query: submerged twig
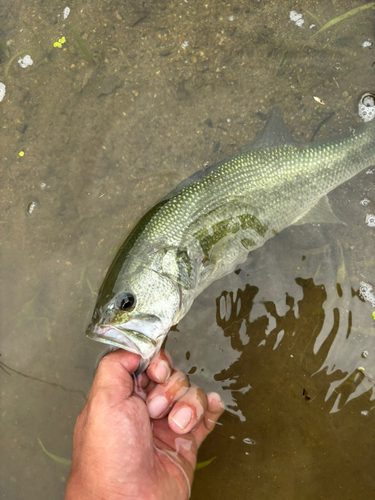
<point x="53" y="384"/>
<point x="201" y="465"/>
<point x="341" y="18"/>
<point x="91" y="289"/>
<point x="56" y="458"/>
<point x="325" y="120"/>
<point x="77" y="37"/>
<point x="6" y="72"/>
<point x="4" y="48"/>
<point x="316" y="19"/>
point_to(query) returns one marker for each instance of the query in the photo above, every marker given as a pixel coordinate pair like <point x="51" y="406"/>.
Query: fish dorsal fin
<point x="274" y="133"/>
<point x="321" y="212"/>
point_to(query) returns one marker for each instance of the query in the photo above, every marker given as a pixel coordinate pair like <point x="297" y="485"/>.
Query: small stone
<point x="370" y="220"/>
<point x="2" y="91"/>
<point x="26" y="61"/>
<point x="66" y="12"/>
<point x="31" y="207"/>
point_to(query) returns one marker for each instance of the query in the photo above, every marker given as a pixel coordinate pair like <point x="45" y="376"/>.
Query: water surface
<point x="286" y="339"/>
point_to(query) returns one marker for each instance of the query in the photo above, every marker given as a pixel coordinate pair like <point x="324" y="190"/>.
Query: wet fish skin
<point x="210" y="222"/>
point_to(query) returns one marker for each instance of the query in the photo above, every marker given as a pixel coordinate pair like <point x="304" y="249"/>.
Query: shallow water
<point x="178" y="85"/>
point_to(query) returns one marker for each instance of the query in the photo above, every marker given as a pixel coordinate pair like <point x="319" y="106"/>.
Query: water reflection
<point x="317" y="330"/>
<point x="293" y="344"/>
<point x="308" y="320"/>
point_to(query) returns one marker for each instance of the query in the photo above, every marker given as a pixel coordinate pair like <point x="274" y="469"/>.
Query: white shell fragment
<point x="297" y="18"/>
<point x="2" y="91"/>
<point x="366" y="107"/>
<point x="319" y="100"/>
<point x="249" y="441"/>
<point x="366" y="292"/>
<point x="364" y="202"/>
<point x="367" y="43"/>
<point x="26" y="61"/>
<point x="370" y="220"/>
<point x="66" y="12"/>
<point x="31" y="207"/>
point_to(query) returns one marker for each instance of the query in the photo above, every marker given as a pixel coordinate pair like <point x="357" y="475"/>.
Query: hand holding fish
<point x="119" y="452"/>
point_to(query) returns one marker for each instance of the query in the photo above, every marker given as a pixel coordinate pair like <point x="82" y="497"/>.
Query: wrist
<point x="79" y="489"/>
<point x="76" y="489"/>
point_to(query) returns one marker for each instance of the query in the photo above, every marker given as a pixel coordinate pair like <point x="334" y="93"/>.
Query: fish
<point x="208" y="224"/>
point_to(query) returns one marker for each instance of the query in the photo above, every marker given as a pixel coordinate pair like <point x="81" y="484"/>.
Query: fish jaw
<point x="129" y="340"/>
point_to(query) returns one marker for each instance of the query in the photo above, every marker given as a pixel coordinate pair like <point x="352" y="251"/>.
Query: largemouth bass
<point x="210" y="222"/>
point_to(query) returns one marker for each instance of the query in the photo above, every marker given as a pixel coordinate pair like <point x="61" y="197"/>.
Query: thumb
<point x="114" y="375"/>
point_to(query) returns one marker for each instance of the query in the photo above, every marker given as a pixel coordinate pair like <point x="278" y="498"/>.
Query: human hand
<point x="119" y="452"/>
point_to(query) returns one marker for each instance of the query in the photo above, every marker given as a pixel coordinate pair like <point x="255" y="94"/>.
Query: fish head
<point x="137" y="313"/>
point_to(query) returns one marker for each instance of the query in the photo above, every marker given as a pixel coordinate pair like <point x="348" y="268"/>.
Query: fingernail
<point x="162" y="371"/>
<point x="182" y="417"/>
<point x="215" y="395"/>
<point x="157" y="406"/>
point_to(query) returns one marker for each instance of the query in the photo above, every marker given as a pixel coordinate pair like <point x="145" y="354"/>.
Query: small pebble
<point x="366" y="292"/>
<point x="366" y="107"/>
<point x="370" y="220"/>
<point x="297" y="18"/>
<point x="26" y="61"/>
<point x="249" y="441"/>
<point x="31" y="207"/>
<point x="2" y="91"/>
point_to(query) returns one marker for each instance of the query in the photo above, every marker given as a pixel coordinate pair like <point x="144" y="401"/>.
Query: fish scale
<point x="207" y="225"/>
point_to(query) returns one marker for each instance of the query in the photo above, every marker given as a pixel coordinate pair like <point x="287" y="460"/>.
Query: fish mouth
<point x="129" y="340"/>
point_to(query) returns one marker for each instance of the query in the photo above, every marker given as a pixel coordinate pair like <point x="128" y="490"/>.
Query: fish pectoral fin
<point x="321" y="212"/>
<point x="274" y="133"/>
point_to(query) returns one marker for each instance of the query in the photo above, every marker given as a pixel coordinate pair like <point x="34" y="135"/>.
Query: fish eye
<point x="125" y="301"/>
